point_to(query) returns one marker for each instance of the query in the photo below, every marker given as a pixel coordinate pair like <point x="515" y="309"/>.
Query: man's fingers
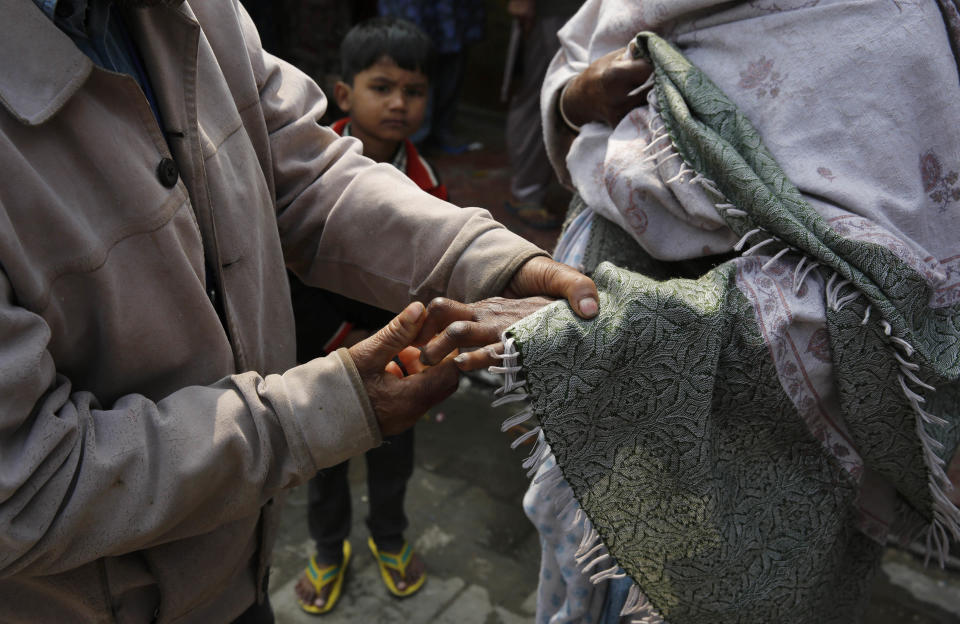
<point x="432" y="385"/>
<point x="371" y="355"/>
<point x="405" y="363"/>
<point x="410" y="360"/>
<point x="394" y="369"/>
<point x="440" y="313"/>
<point x="411" y="396"/>
<point x="576" y="288"/>
<point x="542" y="276"/>
<point x="480" y="359"/>
<point x="458" y="334"/>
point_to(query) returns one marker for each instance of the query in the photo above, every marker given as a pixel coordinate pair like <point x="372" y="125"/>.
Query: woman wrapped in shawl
<point x="770" y="388"/>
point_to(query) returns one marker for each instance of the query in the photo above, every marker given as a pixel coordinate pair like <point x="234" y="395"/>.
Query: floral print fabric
<point x="693" y="409"/>
<point x="859" y="134"/>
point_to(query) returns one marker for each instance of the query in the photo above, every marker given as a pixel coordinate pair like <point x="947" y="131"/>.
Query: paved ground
<point x="464" y="507"/>
<point x="482" y="552"/>
<point x="464" y="498"/>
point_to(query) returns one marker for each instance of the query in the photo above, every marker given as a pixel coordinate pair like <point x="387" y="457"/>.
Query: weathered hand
<point x="453" y="325"/>
<point x="602" y="92"/>
<point x="541" y="276"/>
<point x="399" y="401"/>
<point x="406" y="363"/>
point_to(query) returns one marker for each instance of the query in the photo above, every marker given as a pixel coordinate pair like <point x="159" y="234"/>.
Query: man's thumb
<point x="398" y="333"/>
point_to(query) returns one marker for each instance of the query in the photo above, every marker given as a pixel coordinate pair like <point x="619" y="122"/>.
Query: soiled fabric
<point x="151" y="412"/>
<point x="744" y="435"/>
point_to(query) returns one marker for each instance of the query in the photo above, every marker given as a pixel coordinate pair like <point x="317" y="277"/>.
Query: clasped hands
<point x="444" y="326"/>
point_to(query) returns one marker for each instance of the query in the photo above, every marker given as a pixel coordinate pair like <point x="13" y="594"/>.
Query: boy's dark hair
<point x="400" y="40"/>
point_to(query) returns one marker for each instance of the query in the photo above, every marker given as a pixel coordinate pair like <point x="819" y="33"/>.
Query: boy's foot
<point x="321" y="584"/>
<point x="402" y="572"/>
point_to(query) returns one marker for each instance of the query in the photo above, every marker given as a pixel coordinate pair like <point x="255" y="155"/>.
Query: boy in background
<point x="386" y="62"/>
<point x="384" y="91"/>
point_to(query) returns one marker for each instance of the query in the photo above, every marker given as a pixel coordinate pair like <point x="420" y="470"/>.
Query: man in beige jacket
<point x="160" y="170"/>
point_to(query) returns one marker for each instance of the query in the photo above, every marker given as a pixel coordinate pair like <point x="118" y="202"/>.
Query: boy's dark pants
<point x="389" y="467"/>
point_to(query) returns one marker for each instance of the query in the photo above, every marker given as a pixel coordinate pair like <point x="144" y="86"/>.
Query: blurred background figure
<point x="308" y="33"/>
<point x="538" y="22"/>
<point x="453" y="26"/>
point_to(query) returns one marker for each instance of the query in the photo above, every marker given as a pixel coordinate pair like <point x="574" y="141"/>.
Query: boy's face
<point x="386" y="102"/>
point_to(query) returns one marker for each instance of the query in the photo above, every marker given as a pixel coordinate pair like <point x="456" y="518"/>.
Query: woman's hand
<point x="608" y="89"/>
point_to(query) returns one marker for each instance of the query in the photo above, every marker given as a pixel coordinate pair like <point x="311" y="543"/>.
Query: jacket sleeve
<point x="80" y="480"/>
<point x="363" y="229"/>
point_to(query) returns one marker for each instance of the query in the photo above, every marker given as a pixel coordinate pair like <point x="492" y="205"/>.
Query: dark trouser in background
<point x="389" y="467"/>
<point x="446" y="82"/>
<point x="532" y="171"/>
<point x="258" y="613"/>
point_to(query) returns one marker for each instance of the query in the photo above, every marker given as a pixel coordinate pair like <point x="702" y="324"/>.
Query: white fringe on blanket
<point x="592" y="556"/>
<point x="946" y="515"/>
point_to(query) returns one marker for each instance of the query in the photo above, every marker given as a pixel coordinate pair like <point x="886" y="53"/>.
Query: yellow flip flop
<point x="321" y="577"/>
<point x="396" y="561"/>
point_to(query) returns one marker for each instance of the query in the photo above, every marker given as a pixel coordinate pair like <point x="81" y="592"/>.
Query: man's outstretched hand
<point x="541" y="276"/>
<point x="398" y="401"/>
<point x="452" y="325"/>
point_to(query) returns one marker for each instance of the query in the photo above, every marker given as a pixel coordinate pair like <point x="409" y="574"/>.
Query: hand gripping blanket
<point x="700" y="471"/>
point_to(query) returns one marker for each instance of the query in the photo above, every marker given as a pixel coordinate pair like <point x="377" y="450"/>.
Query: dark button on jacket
<point x="168" y="173"/>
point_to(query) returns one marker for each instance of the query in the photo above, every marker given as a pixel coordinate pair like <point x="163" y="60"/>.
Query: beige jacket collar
<point x="47" y="68"/>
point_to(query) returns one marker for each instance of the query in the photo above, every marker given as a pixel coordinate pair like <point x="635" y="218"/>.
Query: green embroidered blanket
<point x="723" y="491"/>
